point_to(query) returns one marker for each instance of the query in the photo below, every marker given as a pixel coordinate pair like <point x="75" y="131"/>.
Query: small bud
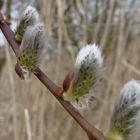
<point x="22" y="73"/>
<point x="85" y="78"/>
<point x="68" y="80"/>
<point x="29" y="18"/>
<point x="19" y="71"/>
<point x="125" y="121"/>
<point x="32" y="46"/>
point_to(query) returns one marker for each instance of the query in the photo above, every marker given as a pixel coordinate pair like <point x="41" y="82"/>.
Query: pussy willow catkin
<point x="31" y="47"/>
<point x="125" y="122"/>
<point x="29" y="18"/>
<point x="87" y="75"/>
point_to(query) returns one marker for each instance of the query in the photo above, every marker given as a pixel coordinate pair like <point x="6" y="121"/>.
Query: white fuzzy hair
<point x="86" y="51"/>
<point x="131" y="87"/>
<point x="134" y="87"/>
<point x="34" y="37"/>
<point x="31" y="13"/>
<point x="84" y="101"/>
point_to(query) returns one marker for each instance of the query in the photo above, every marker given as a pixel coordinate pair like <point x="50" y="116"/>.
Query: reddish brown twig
<point x="9" y="35"/>
<point x="92" y="132"/>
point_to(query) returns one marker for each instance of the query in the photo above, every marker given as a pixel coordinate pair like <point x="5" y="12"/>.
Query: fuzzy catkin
<point x="125" y="121"/>
<point x="88" y="69"/>
<point x="32" y="46"/>
<point x="29" y="18"/>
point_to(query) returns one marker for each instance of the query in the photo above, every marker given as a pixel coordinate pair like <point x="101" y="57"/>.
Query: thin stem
<point x="59" y="49"/>
<point x="28" y="126"/>
<point x="92" y="132"/>
<point x="54" y="89"/>
<point x="9" y="35"/>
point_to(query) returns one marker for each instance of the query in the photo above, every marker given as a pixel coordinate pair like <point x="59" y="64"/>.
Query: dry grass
<point x="37" y="110"/>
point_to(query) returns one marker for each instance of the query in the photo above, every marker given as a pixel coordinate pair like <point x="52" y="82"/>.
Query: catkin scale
<point x="68" y="80"/>
<point x="19" y="71"/>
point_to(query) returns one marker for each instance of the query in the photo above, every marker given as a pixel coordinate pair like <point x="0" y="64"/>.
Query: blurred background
<point x="27" y="109"/>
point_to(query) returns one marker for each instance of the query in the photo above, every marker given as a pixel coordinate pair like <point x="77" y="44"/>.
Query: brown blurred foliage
<point x="112" y="24"/>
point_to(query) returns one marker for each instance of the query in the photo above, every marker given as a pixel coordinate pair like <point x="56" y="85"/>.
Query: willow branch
<point x="92" y="132"/>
